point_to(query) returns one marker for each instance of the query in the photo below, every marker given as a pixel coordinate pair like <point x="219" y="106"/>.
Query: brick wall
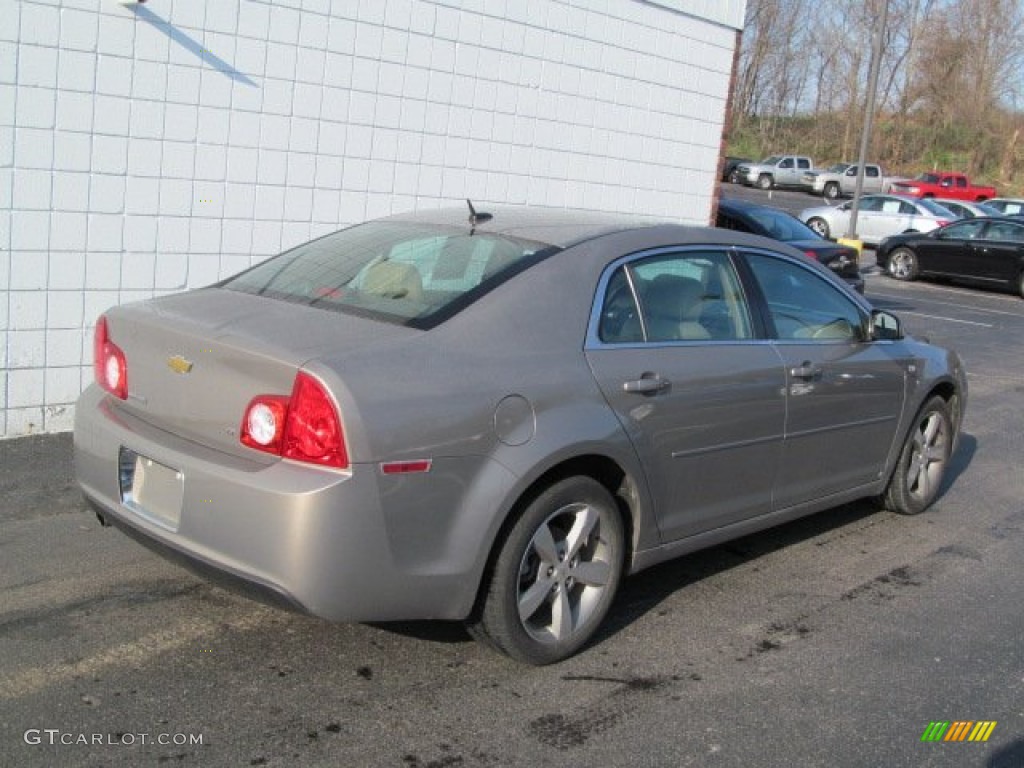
<point x="146" y="149"/>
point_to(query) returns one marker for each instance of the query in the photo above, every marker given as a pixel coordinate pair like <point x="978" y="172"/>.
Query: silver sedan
<point x="495" y="420"/>
<point x="878" y="217"/>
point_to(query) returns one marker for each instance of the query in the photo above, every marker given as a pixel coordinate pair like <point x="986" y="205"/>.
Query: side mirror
<point x="885" y="326"/>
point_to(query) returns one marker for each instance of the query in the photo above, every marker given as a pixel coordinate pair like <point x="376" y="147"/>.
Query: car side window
<point x="871" y="203"/>
<point x="1005" y="231"/>
<point x="803" y="305"/>
<point x="686" y="296"/>
<point x="964" y="230"/>
<point x="803" y="164"/>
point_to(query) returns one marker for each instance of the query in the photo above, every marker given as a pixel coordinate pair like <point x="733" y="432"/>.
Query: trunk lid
<point x="195" y="360"/>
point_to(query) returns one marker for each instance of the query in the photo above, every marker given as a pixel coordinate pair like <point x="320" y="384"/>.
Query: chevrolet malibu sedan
<point x="878" y="217"/>
<point x="494" y="420"/>
<point x="989" y="251"/>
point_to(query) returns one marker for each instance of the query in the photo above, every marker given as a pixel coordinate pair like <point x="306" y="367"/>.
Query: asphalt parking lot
<point x="833" y="641"/>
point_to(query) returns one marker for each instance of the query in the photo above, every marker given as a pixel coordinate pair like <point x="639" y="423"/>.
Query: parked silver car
<point x="878" y="217"/>
<point x="1007" y="206"/>
<point x="494" y="420"/>
<point x="966" y="209"/>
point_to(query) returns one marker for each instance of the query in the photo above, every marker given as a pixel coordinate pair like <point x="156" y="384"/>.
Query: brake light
<point x="304" y="427"/>
<point x="811" y="255"/>
<point x="109" y="365"/>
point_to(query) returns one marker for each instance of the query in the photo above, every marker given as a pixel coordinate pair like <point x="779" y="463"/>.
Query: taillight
<point x="263" y="425"/>
<point x="811" y="255"/>
<point x="108" y="362"/>
<point x="304" y="427"/>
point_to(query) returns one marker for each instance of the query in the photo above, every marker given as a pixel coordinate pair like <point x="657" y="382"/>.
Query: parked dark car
<point x="730" y="170"/>
<point x="496" y="420"/>
<point x="983" y="250"/>
<point x="741" y="216"/>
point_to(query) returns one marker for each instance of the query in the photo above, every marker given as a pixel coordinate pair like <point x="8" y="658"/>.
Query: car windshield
<point x="409" y="273"/>
<point x="782" y="226"/>
<point x="930" y="178"/>
<point x="770" y="160"/>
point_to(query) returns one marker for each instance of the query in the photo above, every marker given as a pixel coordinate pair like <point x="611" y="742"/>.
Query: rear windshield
<point x="407" y="273"/>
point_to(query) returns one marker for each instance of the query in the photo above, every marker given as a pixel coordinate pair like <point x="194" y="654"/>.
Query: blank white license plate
<point x="151" y="489"/>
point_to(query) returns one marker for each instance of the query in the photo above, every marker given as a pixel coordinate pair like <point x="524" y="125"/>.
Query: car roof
<point x="564" y="228"/>
<point x="737" y="204"/>
<point x="549" y="226"/>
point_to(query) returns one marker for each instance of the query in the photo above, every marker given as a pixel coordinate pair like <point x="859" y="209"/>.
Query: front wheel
<point x="764" y="181"/>
<point x="555" y="575"/>
<point x="903" y="264"/>
<point x="922" y="464"/>
<point x="1020" y="284"/>
<point x="819" y="225"/>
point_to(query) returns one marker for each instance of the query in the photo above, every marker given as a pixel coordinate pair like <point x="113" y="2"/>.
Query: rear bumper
<point x="311" y="539"/>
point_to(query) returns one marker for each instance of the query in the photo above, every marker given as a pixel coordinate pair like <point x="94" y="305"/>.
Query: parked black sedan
<point x="988" y="250"/>
<point x="779" y="225"/>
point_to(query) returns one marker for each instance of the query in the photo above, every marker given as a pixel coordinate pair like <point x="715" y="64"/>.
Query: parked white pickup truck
<point x="841" y="179"/>
<point x="775" y="171"/>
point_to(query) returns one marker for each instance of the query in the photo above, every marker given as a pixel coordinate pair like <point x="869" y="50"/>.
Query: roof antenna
<point x="476" y="218"/>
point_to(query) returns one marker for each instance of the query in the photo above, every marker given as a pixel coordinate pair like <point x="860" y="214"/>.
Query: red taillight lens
<point x="811" y="255"/>
<point x="304" y="427"/>
<point x="109" y="365"/>
<point x="313" y="430"/>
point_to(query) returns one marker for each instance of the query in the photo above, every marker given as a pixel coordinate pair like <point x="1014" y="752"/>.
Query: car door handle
<point x="806" y="370"/>
<point x="647" y="384"/>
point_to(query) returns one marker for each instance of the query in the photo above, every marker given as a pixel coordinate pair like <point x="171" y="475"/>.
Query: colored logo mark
<point x="958" y="730"/>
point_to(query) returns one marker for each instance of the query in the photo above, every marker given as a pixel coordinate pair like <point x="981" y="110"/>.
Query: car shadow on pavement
<point x="1010" y="756"/>
<point x="643" y="592"/>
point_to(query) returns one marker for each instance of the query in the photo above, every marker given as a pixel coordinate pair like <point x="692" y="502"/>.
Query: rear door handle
<point x="648" y="383"/>
<point x="806" y="370"/>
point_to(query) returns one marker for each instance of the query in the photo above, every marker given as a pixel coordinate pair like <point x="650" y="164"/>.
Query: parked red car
<point x="942" y="184"/>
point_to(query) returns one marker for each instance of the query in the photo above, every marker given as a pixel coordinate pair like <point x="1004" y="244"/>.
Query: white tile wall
<point x="152" y="148"/>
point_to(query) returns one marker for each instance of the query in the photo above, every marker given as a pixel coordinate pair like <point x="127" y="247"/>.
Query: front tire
<point x="820" y="226"/>
<point x="764" y="181"/>
<point x="917" y="478"/>
<point x="903" y="264"/>
<point x="555" y="575"/>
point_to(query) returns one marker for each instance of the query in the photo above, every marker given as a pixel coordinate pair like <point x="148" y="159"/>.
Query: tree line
<point x="950" y="91"/>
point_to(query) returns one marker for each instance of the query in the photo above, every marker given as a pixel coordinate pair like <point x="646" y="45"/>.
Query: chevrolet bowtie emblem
<point x="179" y="364"/>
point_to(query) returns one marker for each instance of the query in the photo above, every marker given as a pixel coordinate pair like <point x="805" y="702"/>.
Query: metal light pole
<point x="869" y="117"/>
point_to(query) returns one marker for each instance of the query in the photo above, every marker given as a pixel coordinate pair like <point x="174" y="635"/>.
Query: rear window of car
<point x="933" y="208"/>
<point x="407" y="273"/>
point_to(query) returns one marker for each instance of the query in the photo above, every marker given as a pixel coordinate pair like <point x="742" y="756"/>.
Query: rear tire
<point x="903" y="264"/>
<point x="555" y="575"/>
<point x="819" y="225"/>
<point x="1020" y="284"/>
<point x="917" y="478"/>
<point x="734" y="177"/>
<point x="831" y="191"/>
<point x="765" y="181"/>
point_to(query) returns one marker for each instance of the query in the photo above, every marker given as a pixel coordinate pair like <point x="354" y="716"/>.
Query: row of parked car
<point x="912" y="237"/>
<point x="841" y="179"/>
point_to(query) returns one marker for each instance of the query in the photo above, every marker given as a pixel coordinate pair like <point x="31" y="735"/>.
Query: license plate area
<point x="151" y="489"/>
